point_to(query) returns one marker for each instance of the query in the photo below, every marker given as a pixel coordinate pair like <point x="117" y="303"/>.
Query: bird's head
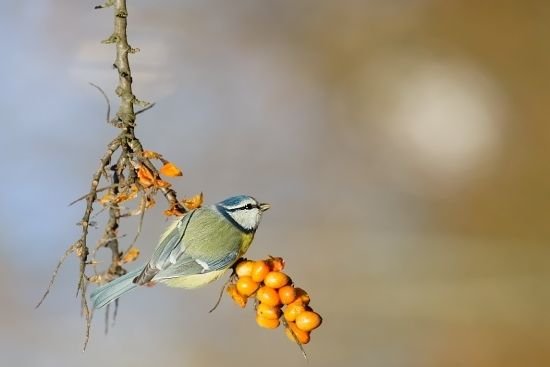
<point x="244" y="211"/>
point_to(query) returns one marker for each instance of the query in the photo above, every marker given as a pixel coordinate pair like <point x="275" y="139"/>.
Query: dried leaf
<point x="276" y="263"/>
<point x="238" y="298"/>
<point x="173" y="211"/>
<point x="121" y="197"/>
<point x="171" y="170"/>
<point x="162" y="183"/>
<point x="133" y="192"/>
<point x="146" y="178"/>
<point x="106" y="199"/>
<point x="130" y="255"/>
<point x="193" y="202"/>
<point x="127" y="194"/>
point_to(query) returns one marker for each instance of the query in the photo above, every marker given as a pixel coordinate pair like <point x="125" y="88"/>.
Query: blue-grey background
<point x="402" y="144"/>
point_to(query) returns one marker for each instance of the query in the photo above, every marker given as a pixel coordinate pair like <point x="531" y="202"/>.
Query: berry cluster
<point x="276" y="298"/>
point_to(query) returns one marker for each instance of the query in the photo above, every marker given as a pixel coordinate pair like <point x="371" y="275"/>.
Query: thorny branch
<point x="133" y="172"/>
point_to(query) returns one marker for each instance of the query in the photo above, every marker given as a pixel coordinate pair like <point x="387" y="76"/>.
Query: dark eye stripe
<point x="246" y="207"/>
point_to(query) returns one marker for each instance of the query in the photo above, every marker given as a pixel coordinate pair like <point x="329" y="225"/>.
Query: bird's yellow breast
<point x="194" y="280"/>
<point x="246" y="242"/>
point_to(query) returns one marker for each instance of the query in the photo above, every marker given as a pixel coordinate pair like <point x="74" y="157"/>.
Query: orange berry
<point x="292" y="311"/>
<point x="268" y="295"/>
<point x="276" y="263"/>
<point x="302" y="296"/>
<point x="244" y="268"/>
<point x="231" y="289"/>
<point x="308" y="320"/>
<point x="267" y="323"/>
<point x="268" y="312"/>
<point x="259" y="271"/>
<point x="246" y="286"/>
<point x="276" y="279"/>
<point x="296" y="334"/>
<point x="287" y="294"/>
<point x="238" y="298"/>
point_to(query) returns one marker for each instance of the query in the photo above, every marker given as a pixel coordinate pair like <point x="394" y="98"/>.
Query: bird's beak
<point x="264" y="206"/>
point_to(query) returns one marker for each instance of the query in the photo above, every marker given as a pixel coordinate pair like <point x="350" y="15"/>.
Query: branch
<point x="120" y="180"/>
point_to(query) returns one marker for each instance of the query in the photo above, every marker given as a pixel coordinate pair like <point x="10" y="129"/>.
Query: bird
<point x="194" y="250"/>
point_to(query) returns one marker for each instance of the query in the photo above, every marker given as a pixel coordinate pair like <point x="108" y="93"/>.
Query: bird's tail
<point x="107" y="293"/>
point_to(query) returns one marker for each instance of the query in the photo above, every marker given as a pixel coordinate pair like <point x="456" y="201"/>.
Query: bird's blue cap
<point x="234" y="200"/>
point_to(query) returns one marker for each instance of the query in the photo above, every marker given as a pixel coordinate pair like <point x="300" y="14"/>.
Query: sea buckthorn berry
<point x="268" y="312"/>
<point x="238" y="298"/>
<point x="244" y="268"/>
<point x="246" y="286"/>
<point x="276" y="263"/>
<point x="292" y="311"/>
<point x="308" y="320"/>
<point x="296" y="334"/>
<point x="302" y="296"/>
<point x="276" y="279"/>
<point x="268" y="295"/>
<point x="287" y="294"/>
<point x="259" y="271"/>
<point x="267" y="323"/>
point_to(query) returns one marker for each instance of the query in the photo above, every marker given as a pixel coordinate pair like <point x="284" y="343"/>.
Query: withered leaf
<point x="171" y="170"/>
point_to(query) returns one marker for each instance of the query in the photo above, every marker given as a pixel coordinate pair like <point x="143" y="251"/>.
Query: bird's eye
<point x="248" y="206"/>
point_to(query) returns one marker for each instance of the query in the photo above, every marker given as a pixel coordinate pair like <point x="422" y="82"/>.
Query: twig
<point x="113" y="223"/>
<point x="87" y="315"/>
<point x="69" y="251"/>
<point x="88" y="194"/>
<point x="220" y="295"/>
<point x="285" y="324"/>
<point x="107" y="310"/>
<point x="146" y="108"/>
<point x="106" y="100"/>
<point x="232" y="277"/>
<point x="92" y="195"/>
<point x="142" y="206"/>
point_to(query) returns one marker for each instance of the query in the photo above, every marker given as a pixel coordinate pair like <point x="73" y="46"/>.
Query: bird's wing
<point x="189" y="265"/>
<point x="203" y="241"/>
<point x="170" y="243"/>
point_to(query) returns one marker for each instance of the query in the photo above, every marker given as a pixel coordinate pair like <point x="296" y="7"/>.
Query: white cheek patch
<point x="248" y="219"/>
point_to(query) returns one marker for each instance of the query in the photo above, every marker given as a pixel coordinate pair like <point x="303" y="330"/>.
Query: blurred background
<point x="403" y="146"/>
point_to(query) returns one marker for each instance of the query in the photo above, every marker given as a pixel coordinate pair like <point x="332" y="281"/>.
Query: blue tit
<point x="195" y="250"/>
